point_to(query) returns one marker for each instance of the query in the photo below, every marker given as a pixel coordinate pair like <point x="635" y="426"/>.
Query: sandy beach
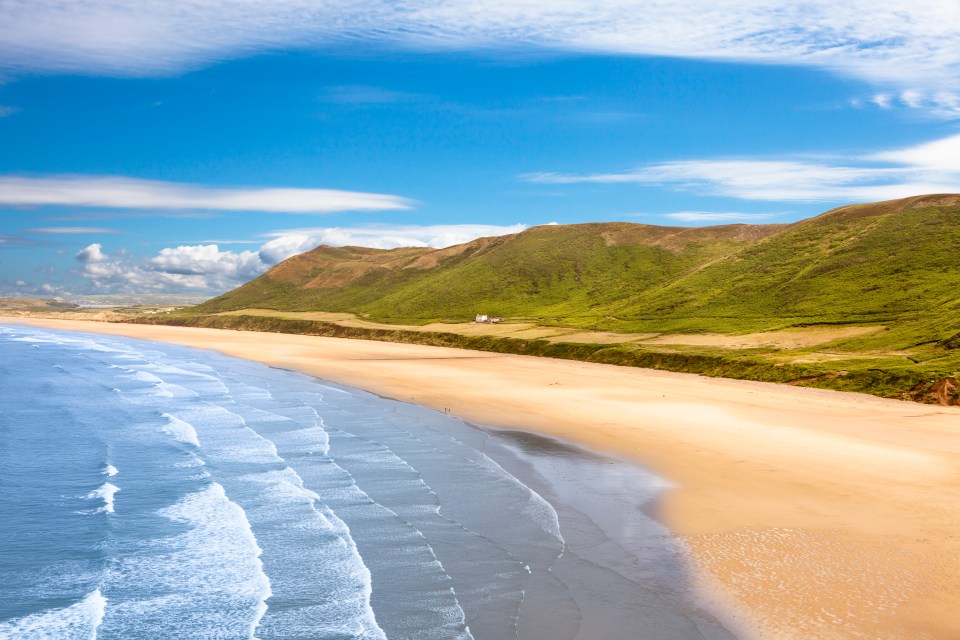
<point x="809" y="513"/>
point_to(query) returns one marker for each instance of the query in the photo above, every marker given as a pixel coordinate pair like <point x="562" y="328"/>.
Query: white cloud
<point x="197" y="269"/>
<point x="888" y="42"/>
<point x="937" y="157"/>
<point x="91" y="254"/>
<point x="940" y="103"/>
<point x="912" y="98"/>
<point x="933" y="167"/>
<point x="206" y="269"/>
<point x="293" y="241"/>
<point x="207" y="260"/>
<point x="717" y="216"/>
<point x="7" y="111"/>
<point x="70" y="230"/>
<point x="128" y="193"/>
<point x="21" y="283"/>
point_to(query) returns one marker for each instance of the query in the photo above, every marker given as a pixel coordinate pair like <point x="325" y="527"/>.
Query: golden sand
<point x="810" y="514"/>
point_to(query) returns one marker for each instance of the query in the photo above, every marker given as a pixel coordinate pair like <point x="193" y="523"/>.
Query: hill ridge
<point x="640" y="294"/>
<point x="868" y="259"/>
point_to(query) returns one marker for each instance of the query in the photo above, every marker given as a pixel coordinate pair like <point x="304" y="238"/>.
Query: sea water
<point x="152" y="491"/>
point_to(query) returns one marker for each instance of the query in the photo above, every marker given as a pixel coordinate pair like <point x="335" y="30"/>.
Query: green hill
<point x="557" y="274"/>
<point x="893" y="266"/>
<point x="873" y="263"/>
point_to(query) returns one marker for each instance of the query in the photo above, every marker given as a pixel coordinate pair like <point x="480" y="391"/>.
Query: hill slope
<point x="550" y="273"/>
<point x="863" y="297"/>
<point x="863" y="263"/>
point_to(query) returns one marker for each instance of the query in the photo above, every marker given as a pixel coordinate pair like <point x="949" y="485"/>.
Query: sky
<point x="185" y="146"/>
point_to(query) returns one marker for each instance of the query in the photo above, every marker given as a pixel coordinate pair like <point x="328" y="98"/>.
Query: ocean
<point x="151" y="491"/>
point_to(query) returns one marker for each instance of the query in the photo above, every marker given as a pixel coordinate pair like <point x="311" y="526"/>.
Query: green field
<point x="894" y="266"/>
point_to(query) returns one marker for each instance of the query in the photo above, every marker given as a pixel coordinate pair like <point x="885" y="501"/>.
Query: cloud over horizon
<point x="908" y="48"/>
<point x="293" y="241"/>
<point x="184" y="269"/>
<point x="59" y="231"/>
<point x="206" y="269"/>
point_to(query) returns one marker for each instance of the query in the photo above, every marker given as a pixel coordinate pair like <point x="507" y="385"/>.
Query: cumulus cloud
<point x="207" y="260"/>
<point x="186" y="269"/>
<point x="933" y="167"/>
<point x="127" y="193"/>
<point x="91" y="254"/>
<point x="206" y="269"/>
<point x="888" y="42"/>
<point x="293" y="241"/>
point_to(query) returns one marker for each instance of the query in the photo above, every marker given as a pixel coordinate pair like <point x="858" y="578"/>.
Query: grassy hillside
<point x="556" y="274"/>
<point x="863" y="263"/>
<point x="893" y="266"/>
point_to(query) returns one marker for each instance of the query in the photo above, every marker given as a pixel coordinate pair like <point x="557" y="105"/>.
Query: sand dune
<point x="809" y="513"/>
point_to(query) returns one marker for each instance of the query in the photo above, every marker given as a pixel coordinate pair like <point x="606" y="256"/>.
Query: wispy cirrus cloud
<point x="54" y="231"/>
<point x="9" y="241"/>
<point x="719" y="216"/>
<point x="128" y="193"/>
<point x="932" y="167"/>
<point x="363" y="95"/>
<point x="87" y="216"/>
<point x="897" y="45"/>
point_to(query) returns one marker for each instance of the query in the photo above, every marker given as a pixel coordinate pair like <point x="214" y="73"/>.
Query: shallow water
<point x="154" y="491"/>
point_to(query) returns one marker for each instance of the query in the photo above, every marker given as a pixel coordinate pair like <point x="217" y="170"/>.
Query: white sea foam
<point x="226" y="435"/>
<point x="143" y="376"/>
<point x="219" y="554"/>
<point x="76" y="622"/>
<point x="72" y="341"/>
<point x="283" y="496"/>
<point x="36" y="340"/>
<point x="181" y="430"/>
<point x="110" y="470"/>
<point x="161" y="388"/>
<point x="190" y="379"/>
<point x="310" y="440"/>
<point x="168" y="390"/>
<point x="104" y="492"/>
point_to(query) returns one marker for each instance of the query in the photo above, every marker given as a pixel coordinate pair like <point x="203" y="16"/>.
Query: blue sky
<point x="173" y="147"/>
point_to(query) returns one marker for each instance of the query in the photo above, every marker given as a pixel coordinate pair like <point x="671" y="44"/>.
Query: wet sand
<point x="626" y="574"/>
<point x="809" y="513"/>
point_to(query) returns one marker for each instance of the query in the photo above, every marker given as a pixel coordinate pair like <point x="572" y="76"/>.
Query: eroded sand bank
<point x="815" y="514"/>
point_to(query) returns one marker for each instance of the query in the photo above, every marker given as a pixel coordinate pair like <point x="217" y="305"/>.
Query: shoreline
<point x="817" y="513"/>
